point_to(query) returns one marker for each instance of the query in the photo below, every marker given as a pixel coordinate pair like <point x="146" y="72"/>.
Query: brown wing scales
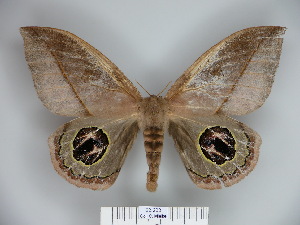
<point x="85" y="78"/>
<point x="72" y="78"/>
<point x="239" y="68"/>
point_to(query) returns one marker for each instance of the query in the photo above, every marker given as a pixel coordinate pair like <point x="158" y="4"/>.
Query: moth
<point x="234" y="77"/>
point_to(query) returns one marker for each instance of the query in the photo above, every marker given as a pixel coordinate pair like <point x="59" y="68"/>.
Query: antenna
<point x="158" y="93"/>
<point x="143" y="88"/>
<point x="164" y="88"/>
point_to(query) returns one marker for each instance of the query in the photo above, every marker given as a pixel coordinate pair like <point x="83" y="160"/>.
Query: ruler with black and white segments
<point x="152" y="215"/>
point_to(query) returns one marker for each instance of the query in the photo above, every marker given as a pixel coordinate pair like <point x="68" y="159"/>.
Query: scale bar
<point x="153" y="215"/>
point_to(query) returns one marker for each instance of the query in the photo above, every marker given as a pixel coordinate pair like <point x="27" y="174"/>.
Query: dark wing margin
<point x="88" y="160"/>
<point x="216" y="151"/>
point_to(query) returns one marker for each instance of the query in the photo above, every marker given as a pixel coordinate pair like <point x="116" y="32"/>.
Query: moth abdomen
<point x="153" y="139"/>
<point x="153" y="142"/>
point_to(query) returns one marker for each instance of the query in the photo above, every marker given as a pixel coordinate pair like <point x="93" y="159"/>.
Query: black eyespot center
<point x="90" y="145"/>
<point x="217" y="144"/>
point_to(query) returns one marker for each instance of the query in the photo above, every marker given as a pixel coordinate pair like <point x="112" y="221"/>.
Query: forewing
<point x="89" y="152"/>
<point x="234" y="77"/>
<point x="74" y="79"/>
<point x="215" y="150"/>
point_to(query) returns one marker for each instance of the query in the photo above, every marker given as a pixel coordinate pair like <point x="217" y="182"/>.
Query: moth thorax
<point x="152" y="112"/>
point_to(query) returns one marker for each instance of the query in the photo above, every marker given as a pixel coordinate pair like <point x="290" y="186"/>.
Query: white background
<point x="152" y="42"/>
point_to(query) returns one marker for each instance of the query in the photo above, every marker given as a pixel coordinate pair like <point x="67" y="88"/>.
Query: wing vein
<point x="241" y="74"/>
<point x="67" y="79"/>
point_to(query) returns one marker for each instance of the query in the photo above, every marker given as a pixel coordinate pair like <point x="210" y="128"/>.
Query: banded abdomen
<point x="153" y="142"/>
<point x="153" y="123"/>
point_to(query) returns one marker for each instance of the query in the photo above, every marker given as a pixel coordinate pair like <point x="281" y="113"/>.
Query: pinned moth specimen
<point x="72" y="78"/>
